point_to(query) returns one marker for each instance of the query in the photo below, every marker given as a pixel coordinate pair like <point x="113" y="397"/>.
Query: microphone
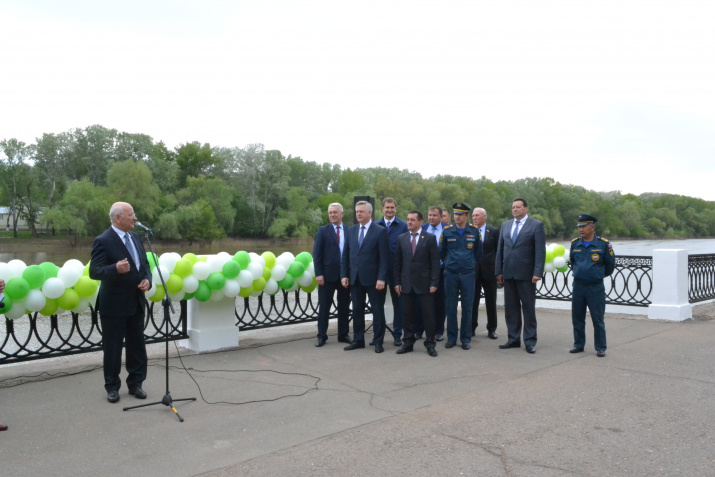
<point x="143" y="227"/>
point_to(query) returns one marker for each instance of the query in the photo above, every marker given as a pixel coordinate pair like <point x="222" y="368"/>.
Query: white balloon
<point x="6" y="271"/>
<point x="305" y="279"/>
<point x="53" y="287"/>
<point x="217" y="295"/>
<point x="81" y="306"/>
<point x="177" y="297"/>
<point x="191" y="284"/>
<point x="202" y="270"/>
<point x="225" y="256"/>
<point x="232" y="288"/>
<point x="245" y="278"/>
<point x="216" y="263"/>
<point x="278" y="273"/>
<point x="93" y="299"/>
<point x="74" y="263"/>
<point x="168" y="261"/>
<point x="164" y="272"/>
<point x="549" y="267"/>
<point x="17" y="266"/>
<point x="35" y="300"/>
<point x="311" y="268"/>
<point x="17" y="310"/>
<point x="559" y="262"/>
<point x="256" y="270"/>
<point x="271" y="287"/>
<point x="150" y="292"/>
<point x="257" y="293"/>
<point x="69" y="275"/>
<point x="294" y="287"/>
<point x="550" y="247"/>
<point x="255" y="258"/>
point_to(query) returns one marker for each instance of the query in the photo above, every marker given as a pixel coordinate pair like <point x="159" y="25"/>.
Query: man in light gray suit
<point x="519" y="267"/>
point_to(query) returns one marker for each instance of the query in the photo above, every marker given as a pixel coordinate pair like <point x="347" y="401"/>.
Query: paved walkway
<point x="645" y="409"/>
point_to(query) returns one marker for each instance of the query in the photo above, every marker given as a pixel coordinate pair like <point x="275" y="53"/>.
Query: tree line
<point x="65" y="183"/>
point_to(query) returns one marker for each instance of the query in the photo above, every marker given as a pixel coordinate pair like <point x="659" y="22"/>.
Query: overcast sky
<point x="610" y="95"/>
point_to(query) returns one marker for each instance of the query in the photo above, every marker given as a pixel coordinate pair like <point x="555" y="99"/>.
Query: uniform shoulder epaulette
<point x="447" y="227"/>
<point x="575" y="239"/>
<point x="604" y="239"/>
<point x="471" y="225"/>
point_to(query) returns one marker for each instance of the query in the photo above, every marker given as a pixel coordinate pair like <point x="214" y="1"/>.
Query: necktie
<point x="516" y="232"/>
<point x="361" y="237"/>
<point x="389" y="223"/>
<point x="337" y="230"/>
<point x="414" y="243"/>
<point x="481" y="232"/>
<point x="434" y="230"/>
<point x="130" y="247"/>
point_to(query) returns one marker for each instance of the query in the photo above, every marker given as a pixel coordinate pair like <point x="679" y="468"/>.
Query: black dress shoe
<point x="112" y="396"/>
<point x="398" y="342"/>
<point x="601" y="354"/>
<point x="438" y="337"/>
<point x="355" y="345"/>
<point x="379" y="348"/>
<point x="492" y="335"/>
<point x="138" y="393"/>
<point x="531" y="349"/>
<point x="465" y="346"/>
<point x="344" y="339"/>
<point x="404" y="349"/>
<point x="510" y="344"/>
<point x="320" y="342"/>
<point x="449" y="344"/>
<point x="432" y="352"/>
<point x="576" y="350"/>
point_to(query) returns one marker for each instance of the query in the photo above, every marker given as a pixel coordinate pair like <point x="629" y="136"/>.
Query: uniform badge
<point x="470" y="245"/>
<point x="595" y="257"/>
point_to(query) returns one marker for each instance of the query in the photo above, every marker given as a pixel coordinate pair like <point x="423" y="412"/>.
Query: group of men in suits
<point x="421" y="264"/>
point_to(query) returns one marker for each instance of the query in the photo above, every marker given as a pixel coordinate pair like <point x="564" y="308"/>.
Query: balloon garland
<point x="556" y="259"/>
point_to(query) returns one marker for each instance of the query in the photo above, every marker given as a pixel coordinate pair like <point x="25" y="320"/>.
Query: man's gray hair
<point x="117" y="209"/>
<point x="481" y="210"/>
<point x="368" y="205"/>
<point x="336" y="204"/>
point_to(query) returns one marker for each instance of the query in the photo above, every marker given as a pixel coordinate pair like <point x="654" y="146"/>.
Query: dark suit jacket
<point x="524" y="258"/>
<point x="326" y="253"/>
<point x="397" y="228"/>
<point x="118" y="293"/>
<point x="485" y="265"/>
<point x="371" y="260"/>
<point x="416" y="274"/>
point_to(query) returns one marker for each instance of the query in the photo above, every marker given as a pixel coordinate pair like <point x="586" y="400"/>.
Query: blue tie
<point x="361" y="237"/>
<point x="132" y="251"/>
<point x="516" y="232"/>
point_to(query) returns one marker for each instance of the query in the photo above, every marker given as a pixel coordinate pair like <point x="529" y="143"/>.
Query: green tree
<point x="194" y="160"/>
<point x="216" y="192"/>
<point x="131" y="181"/>
<point x="83" y="210"/>
<point x="14" y="166"/>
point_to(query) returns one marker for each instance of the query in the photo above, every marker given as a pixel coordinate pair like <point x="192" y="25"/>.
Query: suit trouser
<point x="489" y="284"/>
<point x="130" y="329"/>
<point x="358" y="293"/>
<point x="426" y="306"/>
<point x="453" y="284"/>
<point x="593" y="296"/>
<point x="440" y="312"/>
<point x="325" y="302"/>
<point x="520" y="297"/>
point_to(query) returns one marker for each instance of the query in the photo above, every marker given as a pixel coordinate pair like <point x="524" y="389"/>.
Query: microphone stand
<point x="166" y="304"/>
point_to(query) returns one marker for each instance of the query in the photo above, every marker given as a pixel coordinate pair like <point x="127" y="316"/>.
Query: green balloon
<point x="287" y="282"/>
<point x="7" y="301"/>
<point x="266" y="273"/>
<point x="85" y="287"/>
<point x="191" y="258"/>
<point x="296" y="269"/>
<point x="35" y="276"/>
<point x="69" y="299"/>
<point x="216" y="281"/>
<point x="549" y="256"/>
<point x="231" y="269"/>
<point x="50" y="269"/>
<point x="270" y="259"/>
<point x="174" y="283"/>
<point x="309" y="288"/>
<point x="564" y="269"/>
<point x="189" y="296"/>
<point x="153" y="260"/>
<point x="259" y="284"/>
<point x="183" y="268"/>
<point x="17" y="288"/>
<point x="246" y="292"/>
<point x="203" y="293"/>
<point x="304" y="257"/>
<point x="559" y="250"/>
<point x="158" y="295"/>
<point x="85" y="272"/>
<point x="50" y="308"/>
<point x="242" y="258"/>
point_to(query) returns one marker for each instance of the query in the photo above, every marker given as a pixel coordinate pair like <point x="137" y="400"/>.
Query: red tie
<point x="414" y="244"/>
<point x="338" y="231"/>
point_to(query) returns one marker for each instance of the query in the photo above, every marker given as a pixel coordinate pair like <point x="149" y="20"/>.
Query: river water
<point x="59" y="251"/>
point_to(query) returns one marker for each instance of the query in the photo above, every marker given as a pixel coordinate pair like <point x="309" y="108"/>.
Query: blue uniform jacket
<point x="592" y="263"/>
<point x="460" y="253"/>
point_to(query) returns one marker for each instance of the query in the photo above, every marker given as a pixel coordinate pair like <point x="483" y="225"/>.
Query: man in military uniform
<point x="460" y="248"/>
<point x="591" y="260"/>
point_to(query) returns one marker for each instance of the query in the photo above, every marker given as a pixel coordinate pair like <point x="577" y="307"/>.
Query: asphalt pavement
<point x="280" y="406"/>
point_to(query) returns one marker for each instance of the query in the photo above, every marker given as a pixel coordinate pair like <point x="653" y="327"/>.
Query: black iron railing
<point x="39" y="337"/>
<point x="630" y="284"/>
<point x="701" y="277"/>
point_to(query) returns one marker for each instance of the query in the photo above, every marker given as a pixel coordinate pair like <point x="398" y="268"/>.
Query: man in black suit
<point x="519" y="267"/>
<point x="119" y="261"/>
<point x="327" y="253"/>
<point x="364" y="269"/>
<point x="435" y="226"/>
<point x="395" y="227"/>
<point x="486" y="279"/>
<point x="416" y="279"/>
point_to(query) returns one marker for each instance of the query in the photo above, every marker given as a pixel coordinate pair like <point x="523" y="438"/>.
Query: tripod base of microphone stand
<point x="166" y="401"/>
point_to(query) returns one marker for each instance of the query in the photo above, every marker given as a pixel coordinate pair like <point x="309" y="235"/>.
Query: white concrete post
<point x="211" y="325"/>
<point x="670" y="286"/>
